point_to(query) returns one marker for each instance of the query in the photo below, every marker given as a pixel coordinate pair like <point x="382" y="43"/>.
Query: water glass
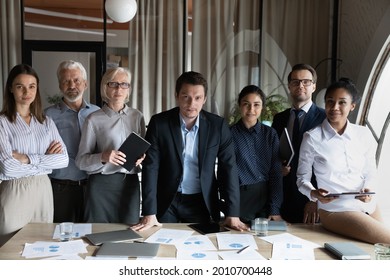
<point x="260" y="226"/>
<point x="382" y="251"/>
<point x="66" y="231"/>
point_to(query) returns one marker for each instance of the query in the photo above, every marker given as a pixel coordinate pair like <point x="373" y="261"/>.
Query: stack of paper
<point x="196" y="243"/>
<point x="196" y="247"/>
<point x="169" y="236"/>
<point x="290" y="247"/>
<point x="60" y="250"/>
<point x="234" y="243"/>
<point x="196" y="255"/>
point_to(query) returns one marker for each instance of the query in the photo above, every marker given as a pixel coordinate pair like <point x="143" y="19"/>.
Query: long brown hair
<point x="9" y="104"/>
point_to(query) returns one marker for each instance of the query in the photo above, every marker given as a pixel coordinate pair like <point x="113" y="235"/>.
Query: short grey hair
<point x="71" y="64"/>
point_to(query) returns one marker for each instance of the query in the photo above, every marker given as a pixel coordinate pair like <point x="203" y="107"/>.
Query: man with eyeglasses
<point x="69" y="114"/>
<point x="301" y="117"/>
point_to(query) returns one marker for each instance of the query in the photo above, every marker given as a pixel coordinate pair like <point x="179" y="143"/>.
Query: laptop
<point x="113" y="236"/>
<point x="128" y="249"/>
<point x="134" y="147"/>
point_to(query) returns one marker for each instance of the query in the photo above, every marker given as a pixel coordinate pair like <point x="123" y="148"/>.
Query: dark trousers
<point x="68" y="199"/>
<point x="186" y="208"/>
<point x="253" y="201"/>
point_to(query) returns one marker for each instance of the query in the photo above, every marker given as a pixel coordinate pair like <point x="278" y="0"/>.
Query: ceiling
<point x="78" y="8"/>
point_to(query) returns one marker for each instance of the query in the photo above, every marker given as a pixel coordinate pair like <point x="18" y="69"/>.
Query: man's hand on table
<point x="235" y="223"/>
<point x="146" y="223"/>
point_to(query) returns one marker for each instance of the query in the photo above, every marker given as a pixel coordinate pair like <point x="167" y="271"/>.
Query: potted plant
<point x="274" y="104"/>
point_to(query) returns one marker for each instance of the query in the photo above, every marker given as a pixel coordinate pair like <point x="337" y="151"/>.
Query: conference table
<point x="44" y="232"/>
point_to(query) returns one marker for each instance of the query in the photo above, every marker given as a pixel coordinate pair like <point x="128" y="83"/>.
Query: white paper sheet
<point x="79" y="230"/>
<point x="235" y="241"/>
<point x="288" y="237"/>
<point x="196" y="243"/>
<point x="169" y="236"/>
<point x="291" y="251"/>
<point x="65" y="257"/>
<point x="248" y="254"/>
<point x="196" y="255"/>
<point x="41" y="249"/>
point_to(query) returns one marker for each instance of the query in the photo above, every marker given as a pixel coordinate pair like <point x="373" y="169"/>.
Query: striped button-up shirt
<point x="32" y="140"/>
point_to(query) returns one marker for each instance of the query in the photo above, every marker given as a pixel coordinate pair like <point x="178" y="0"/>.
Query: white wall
<point x="46" y="63"/>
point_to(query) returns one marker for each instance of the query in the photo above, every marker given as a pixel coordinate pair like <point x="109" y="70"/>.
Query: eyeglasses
<point x="116" y="84"/>
<point x="305" y="82"/>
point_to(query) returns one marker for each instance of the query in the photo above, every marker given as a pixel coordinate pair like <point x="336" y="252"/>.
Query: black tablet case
<point x="134" y="147"/>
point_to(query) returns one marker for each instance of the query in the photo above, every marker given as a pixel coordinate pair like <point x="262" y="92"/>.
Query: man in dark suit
<point x="179" y="182"/>
<point x="301" y="117"/>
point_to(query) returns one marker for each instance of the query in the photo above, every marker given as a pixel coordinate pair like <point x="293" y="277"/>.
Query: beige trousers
<point x="22" y="201"/>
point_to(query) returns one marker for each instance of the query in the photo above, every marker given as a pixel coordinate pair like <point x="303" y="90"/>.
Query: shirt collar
<point x="183" y="123"/>
<point x="63" y="106"/>
<point x="329" y="131"/>
<point x="256" y="128"/>
<point x="109" y="112"/>
<point x="304" y="108"/>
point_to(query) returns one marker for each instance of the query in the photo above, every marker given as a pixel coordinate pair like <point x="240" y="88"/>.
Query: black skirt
<point x="113" y="198"/>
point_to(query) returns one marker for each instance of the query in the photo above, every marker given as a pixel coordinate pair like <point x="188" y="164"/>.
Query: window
<point x="376" y="115"/>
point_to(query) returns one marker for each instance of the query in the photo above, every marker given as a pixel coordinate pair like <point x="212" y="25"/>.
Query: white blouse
<point x="32" y="140"/>
<point x="341" y="163"/>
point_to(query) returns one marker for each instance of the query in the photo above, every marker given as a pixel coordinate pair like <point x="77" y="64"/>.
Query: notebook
<point x="134" y="147"/>
<point x="277" y="225"/>
<point x="347" y="251"/>
<point x="274" y="225"/>
<point x="286" y="149"/>
<point x="113" y="236"/>
<point x="128" y="249"/>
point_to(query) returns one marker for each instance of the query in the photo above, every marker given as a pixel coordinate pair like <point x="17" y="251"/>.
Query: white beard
<point x="73" y="98"/>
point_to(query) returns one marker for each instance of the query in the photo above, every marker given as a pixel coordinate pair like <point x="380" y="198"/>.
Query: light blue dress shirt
<point x="69" y="124"/>
<point x="190" y="183"/>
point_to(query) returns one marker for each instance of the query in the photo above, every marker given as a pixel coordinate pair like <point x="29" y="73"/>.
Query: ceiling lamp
<point x="121" y="10"/>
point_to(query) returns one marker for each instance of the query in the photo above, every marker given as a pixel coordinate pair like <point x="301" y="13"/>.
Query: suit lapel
<point x="203" y="136"/>
<point x="309" y="118"/>
<point x="174" y="126"/>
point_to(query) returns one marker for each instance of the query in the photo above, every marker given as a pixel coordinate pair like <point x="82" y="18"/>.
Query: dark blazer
<point x="162" y="169"/>
<point x="293" y="200"/>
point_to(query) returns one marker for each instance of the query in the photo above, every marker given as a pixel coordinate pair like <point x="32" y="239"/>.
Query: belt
<point x="69" y="182"/>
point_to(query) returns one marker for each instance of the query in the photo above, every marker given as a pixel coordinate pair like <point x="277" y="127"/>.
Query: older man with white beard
<point x="69" y="114"/>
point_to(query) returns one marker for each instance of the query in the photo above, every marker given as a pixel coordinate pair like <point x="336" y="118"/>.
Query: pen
<point x="242" y="249"/>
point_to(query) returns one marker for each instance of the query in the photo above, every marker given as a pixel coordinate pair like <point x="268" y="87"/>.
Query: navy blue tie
<point x="296" y="138"/>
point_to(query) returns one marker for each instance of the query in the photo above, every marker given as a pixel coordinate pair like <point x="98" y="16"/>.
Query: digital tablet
<point x="349" y="193"/>
<point x="206" y="228"/>
<point x="134" y="147"/>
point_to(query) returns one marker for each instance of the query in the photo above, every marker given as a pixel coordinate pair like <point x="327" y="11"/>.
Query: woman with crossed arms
<point x="30" y="147"/>
<point x="342" y="156"/>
